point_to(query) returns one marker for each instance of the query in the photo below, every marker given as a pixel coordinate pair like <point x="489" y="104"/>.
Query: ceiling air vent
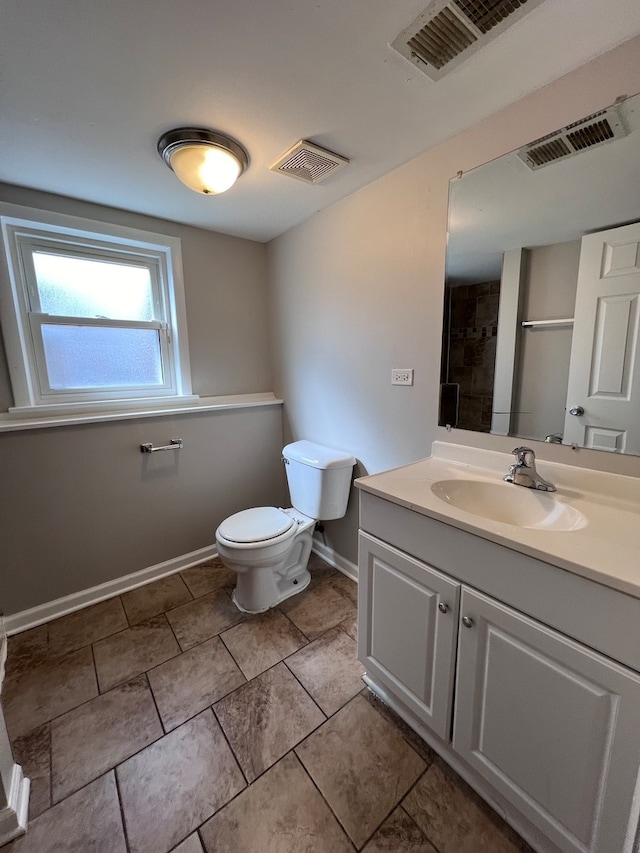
<point x="593" y="130"/>
<point x="445" y="34"/>
<point x="309" y="163"/>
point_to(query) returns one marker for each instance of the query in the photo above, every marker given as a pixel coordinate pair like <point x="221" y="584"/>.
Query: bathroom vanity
<point x="503" y="625"/>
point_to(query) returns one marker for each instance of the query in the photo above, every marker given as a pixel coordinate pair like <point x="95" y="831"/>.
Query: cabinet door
<point x="552" y="725"/>
<point x="407" y="624"/>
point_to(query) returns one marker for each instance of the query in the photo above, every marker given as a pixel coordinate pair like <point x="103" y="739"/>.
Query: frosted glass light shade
<point x="205" y="169"/>
<point x="204" y="160"/>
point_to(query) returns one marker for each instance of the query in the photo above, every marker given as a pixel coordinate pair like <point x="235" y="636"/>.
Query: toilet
<point x="269" y="547"/>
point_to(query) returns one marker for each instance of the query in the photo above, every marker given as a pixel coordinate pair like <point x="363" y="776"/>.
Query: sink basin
<point x="509" y="504"/>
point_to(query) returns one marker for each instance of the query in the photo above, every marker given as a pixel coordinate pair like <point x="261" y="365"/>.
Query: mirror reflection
<point x="542" y="289"/>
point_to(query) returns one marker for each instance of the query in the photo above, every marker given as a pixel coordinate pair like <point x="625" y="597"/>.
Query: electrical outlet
<point x="402" y="376"/>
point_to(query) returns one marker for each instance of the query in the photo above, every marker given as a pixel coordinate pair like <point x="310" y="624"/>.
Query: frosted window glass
<point x="101" y="357"/>
<point x="79" y="287"/>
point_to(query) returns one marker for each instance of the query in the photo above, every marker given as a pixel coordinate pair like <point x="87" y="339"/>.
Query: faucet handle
<point x="521" y="453"/>
<point x="524" y="455"/>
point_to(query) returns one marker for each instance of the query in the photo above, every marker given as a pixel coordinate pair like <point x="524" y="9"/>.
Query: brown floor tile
<point x="282" y="812"/>
<point x="192" y="844"/>
<point x="414" y="740"/>
<point x="361" y="765"/>
<point x="262" y="641"/>
<point x="345" y="586"/>
<point x="131" y="652"/>
<point x="203" y="618"/>
<point x="48" y="690"/>
<point x="361" y="761"/>
<point x="317" y="609"/>
<point x="33" y="753"/>
<point x="189" y="683"/>
<point x="208" y="577"/>
<point x="27" y="650"/>
<point x="399" y="833"/>
<point x="446" y="810"/>
<point x="154" y="598"/>
<point x="97" y="736"/>
<point x="86" y="821"/>
<point x="350" y="626"/>
<point x="329" y="670"/>
<point x="86" y="626"/>
<point x="172" y="786"/>
<point x="265" y="718"/>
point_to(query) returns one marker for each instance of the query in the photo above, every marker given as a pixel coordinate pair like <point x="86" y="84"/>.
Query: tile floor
<point x="166" y="720"/>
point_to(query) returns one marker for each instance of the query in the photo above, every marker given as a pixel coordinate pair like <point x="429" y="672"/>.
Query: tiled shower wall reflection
<point x="473" y="326"/>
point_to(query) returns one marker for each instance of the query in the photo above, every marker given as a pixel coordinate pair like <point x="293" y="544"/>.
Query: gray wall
<point x="541" y="381"/>
<point x="358" y="289"/>
<point x="80" y="505"/>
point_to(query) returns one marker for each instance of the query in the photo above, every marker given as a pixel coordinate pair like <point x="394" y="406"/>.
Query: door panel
<point x="404" y="639"/>
<point x="604" y="375"/>
<point x="550" y="723"/>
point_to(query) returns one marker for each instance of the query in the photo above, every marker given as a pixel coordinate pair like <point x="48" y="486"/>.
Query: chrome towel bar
<point x="174" y="444"/>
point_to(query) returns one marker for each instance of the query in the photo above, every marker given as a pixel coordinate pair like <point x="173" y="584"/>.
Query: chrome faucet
<point x="523" y="471"/>
<point x="554" y="438"/>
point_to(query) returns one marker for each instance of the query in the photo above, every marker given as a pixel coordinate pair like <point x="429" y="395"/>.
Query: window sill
<point x="17" y="420"/>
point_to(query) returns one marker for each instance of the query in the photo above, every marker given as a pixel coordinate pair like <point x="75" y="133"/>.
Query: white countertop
<point x="606" y="549"/>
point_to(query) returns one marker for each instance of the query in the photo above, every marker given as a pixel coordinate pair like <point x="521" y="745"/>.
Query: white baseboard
<point x="17" y="622"/>
<point x="336" y="560"/>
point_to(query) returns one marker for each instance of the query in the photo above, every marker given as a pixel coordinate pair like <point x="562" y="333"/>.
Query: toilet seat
<point x="257" y="525"/>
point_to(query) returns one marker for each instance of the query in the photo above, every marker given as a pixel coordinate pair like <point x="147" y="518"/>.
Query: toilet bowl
<point x="269" y="550"/>
<point x="269" y="547"/>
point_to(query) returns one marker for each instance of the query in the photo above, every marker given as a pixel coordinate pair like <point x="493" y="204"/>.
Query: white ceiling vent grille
<point x="447" y="33"/>
<point x="593" y="130"/>
<point x="309" y="163"/>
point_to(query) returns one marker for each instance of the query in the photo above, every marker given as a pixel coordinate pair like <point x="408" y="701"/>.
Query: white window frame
<point x="25" y="230"/>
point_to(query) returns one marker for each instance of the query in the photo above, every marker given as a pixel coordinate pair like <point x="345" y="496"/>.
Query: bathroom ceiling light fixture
<point x="204" y="160"/>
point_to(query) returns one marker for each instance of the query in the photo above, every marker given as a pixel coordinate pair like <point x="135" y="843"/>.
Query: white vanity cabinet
<point x="541" y="720"/>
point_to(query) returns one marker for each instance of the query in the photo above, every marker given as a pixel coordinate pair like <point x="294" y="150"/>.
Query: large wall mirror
<point x="541" y="334"/>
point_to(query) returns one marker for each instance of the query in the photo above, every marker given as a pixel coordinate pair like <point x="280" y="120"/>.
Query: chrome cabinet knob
<point x="467" y="621"/>
<point x="576" y="411"/>
<point x="443" y="608"/>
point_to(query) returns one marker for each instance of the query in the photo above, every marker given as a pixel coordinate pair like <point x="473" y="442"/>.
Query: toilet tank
<point x="319" y="479"/>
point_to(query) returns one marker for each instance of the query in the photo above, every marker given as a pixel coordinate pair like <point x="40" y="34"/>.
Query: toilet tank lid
<point x="317" y="456"/>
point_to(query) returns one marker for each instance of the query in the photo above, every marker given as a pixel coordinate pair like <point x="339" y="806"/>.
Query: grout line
<point x="299" y="630"/>
<point x="412" y="819"/>
<point x="95" y="669"/>
<point x="231" y="655"/>
<point x="155" y="704"/>
<point x="126" y="615"/>
<point x="324" y="799"/>
<point x="122" y="818"/>
<point x="324" y="714"/>
<point x="233" y="753"/>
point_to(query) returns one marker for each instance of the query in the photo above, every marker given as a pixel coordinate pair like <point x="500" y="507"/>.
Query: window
<point x="92" y="313"/>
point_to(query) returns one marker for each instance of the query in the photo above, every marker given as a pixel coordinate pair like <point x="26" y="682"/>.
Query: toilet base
<point x="261" y="588"/>
<point x="286" y="588"/>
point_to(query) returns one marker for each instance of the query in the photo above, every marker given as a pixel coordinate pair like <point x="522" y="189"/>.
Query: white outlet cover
<point x="402" y="376"/>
